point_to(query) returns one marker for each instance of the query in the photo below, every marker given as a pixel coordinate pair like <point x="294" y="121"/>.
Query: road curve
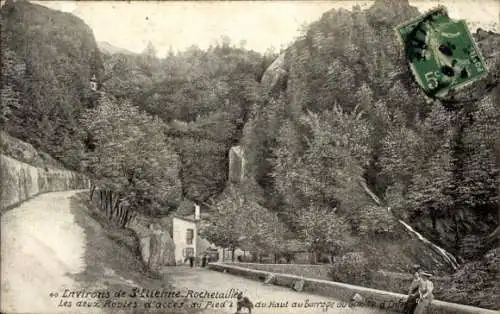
<point x="41" y="245"/>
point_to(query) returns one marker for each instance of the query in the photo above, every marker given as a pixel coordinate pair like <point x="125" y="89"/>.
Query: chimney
<point x="196" y="212"/>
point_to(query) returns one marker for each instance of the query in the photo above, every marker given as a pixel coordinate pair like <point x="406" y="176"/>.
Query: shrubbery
<point x="476" y="283"/>
<point x="353" y="268"/>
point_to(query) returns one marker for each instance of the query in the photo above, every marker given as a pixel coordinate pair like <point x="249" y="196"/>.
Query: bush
<point x="475" y="283"/>
<point x="353" y="268"/>
<point x="245" y="259"/>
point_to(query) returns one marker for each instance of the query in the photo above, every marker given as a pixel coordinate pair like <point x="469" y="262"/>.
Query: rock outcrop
<point x="236" y="164"/>
<point x="274" y="75"/>
<point x="155" y="242"/>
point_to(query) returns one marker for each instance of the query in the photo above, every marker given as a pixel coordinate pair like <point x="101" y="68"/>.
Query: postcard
<point x="250" y="156"/>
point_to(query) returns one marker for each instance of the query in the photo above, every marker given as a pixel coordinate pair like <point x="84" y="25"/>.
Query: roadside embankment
<point x="344" y="292"/>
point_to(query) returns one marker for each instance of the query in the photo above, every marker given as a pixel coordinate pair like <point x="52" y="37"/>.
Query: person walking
<point x="425" y="293"/>
<point x="204" y="261"/>
<point x="191" y="261"/>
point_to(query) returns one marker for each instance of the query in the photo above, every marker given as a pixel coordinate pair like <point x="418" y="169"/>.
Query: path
<point x="41" y="244"/>
<point x="199" y="279"/>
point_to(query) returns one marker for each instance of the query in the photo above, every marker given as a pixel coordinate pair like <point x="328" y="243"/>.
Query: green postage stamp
<point x="441" y="52"/>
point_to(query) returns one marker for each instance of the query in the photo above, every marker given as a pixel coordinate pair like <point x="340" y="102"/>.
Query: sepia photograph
<point x="252" y="157"/>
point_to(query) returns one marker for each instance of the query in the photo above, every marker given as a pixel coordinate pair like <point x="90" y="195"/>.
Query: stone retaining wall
<point x="20" y="181"/>
<point x="344" y="292"/>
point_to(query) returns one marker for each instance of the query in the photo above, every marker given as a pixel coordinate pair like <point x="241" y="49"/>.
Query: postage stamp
<point x="442" y="53"/>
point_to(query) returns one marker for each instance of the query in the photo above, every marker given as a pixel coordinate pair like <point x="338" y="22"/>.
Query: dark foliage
<point x="436" y="168"/>
<point x="48" y="58"/>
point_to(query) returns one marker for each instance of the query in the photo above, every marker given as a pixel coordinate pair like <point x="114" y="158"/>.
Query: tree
<point x="429" y="191"/>
<point x="226" y="226"/>
<point x="265" y="230"/>
<point x="321" y="229"/>
<point x="400" y="150"/>
<point x="12" y="71"/>
<point x="286" y="164"/>
<point x="203" y="171"/>
<point x="325" y="176"/>
<point x="337" y="156"/>
<point x="481" y="172"/>
<point x="236" y="221"/>
<point x="132" y="157"/>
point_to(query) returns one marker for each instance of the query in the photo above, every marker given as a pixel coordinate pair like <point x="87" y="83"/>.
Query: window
<point x="189" y="251"/>
<point x="189" y="236"/>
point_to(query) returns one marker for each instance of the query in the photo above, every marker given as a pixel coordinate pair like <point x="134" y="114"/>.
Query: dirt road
<point x="275" y="299"/>
<point x="41" y="245"/>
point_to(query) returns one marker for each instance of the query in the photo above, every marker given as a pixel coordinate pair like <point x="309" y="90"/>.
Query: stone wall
<point x="387" y="301"/>
<point x="26" y="172"/>
<point x="20" y="181"/>
<point x="305" y="270"/>
<point x="380" y="280"/>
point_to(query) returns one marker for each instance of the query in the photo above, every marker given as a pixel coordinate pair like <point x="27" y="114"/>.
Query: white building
<point x="185" y="234"/>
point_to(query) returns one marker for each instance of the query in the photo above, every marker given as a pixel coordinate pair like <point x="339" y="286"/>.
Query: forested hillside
<point x="348" y="108"/>
<point x="200" y="100"/>
<point x="340" y="107"/>
<point x="203" y="95"/>
<point x="48" y="58"/>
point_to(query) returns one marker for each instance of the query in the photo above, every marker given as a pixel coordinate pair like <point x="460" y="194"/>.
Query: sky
<point x="261" y="24"/>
